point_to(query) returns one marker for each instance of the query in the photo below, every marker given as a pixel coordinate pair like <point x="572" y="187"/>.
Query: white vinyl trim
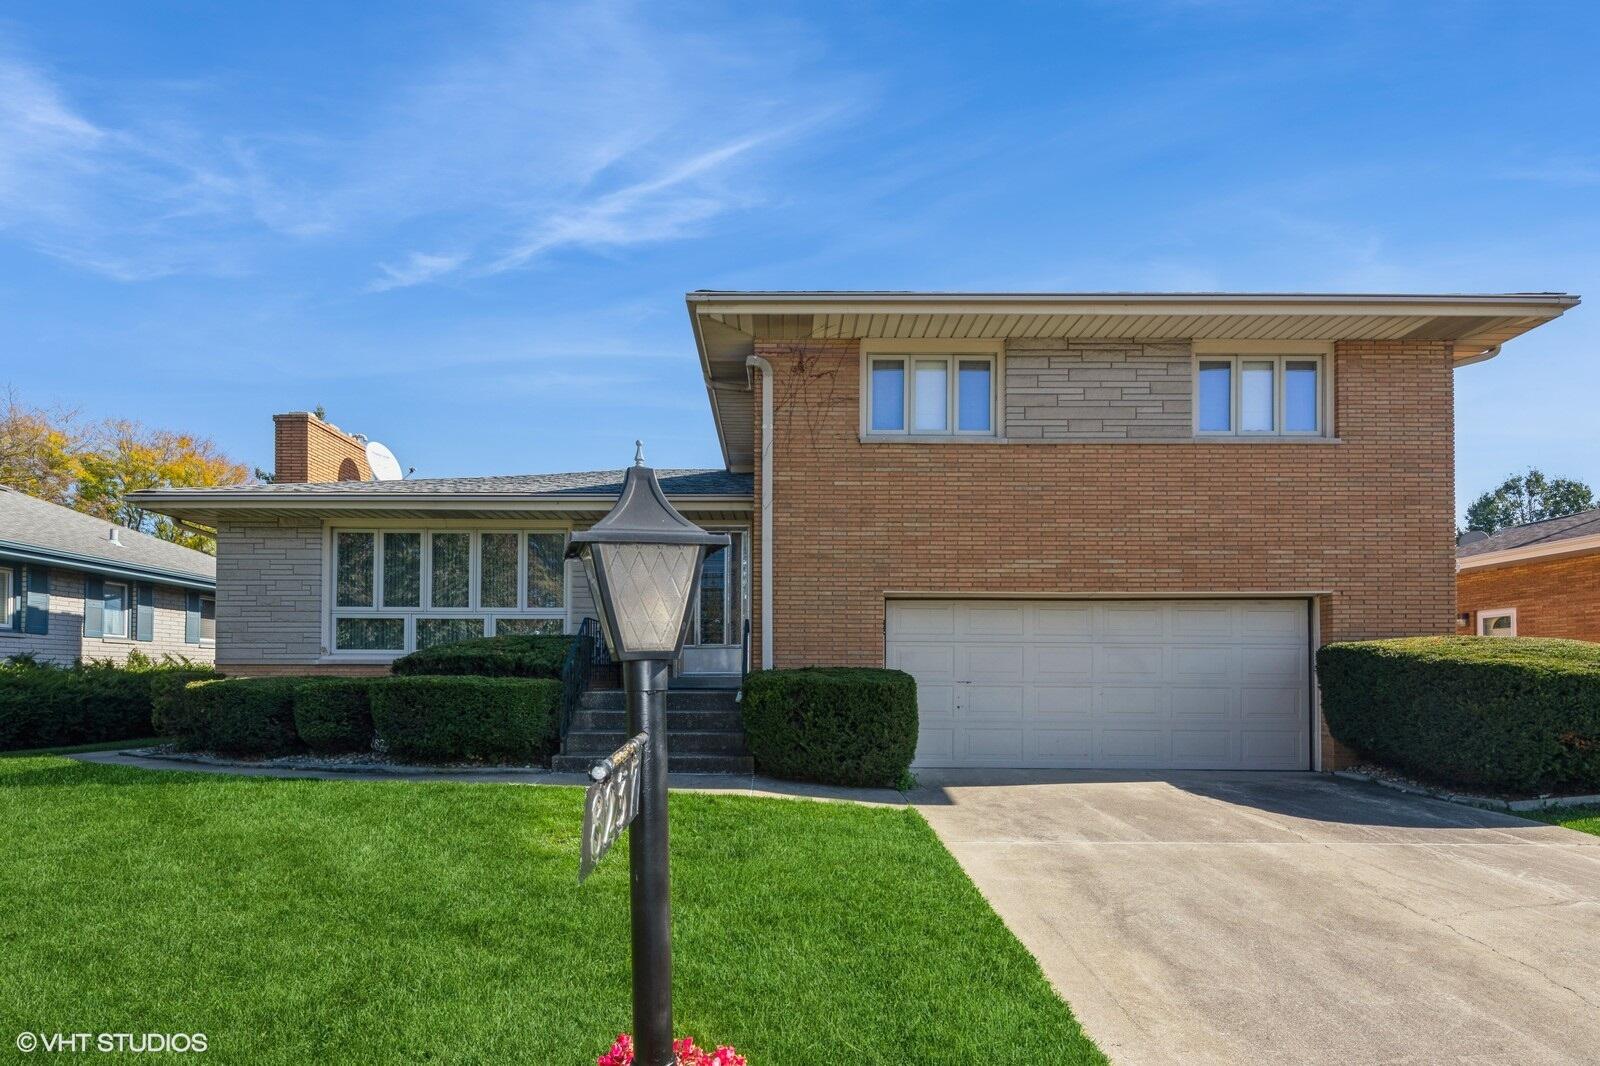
<point x="1489" y="616"/>
<point x="1547" y="549"/>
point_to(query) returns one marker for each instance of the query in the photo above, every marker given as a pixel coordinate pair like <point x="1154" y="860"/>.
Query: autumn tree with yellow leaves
<point x="92" y="467"/>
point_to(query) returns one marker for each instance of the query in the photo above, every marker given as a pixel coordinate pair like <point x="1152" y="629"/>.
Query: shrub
<point x="241" y="716"/>
<point x="488" y="719"/>
<point x="518" y="656"/>
<point x="334" y="714"/>
<point x="1522" y="715"/>
<point x="43" y="705"/>
<point x="838" y="725"/>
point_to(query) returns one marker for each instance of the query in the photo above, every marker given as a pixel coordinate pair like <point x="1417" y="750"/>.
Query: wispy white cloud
<point x="417" y="268"/>
<point x="596" y="126"/>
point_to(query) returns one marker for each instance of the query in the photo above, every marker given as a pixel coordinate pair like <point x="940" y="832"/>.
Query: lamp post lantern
<point x="643" y="563"/>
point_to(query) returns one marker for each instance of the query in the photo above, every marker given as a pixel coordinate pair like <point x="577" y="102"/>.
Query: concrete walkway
<point x="1287" y="918"/>
<point x="738" y="784"/>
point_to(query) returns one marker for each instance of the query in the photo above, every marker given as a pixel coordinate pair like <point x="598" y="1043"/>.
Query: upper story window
<point x="931" y="394"/>
<point x="1260" y="395"/>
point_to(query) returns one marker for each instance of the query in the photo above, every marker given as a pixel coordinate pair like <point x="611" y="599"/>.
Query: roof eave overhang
<point x="206" y="506"/>
<point x="1554" y="549"/>
<point x="29" y="553"/>
<point x="1476" y="324"/>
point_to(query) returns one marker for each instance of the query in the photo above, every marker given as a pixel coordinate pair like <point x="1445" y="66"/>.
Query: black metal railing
<point x="744" y="656"/>
<point x="586" y="652"/>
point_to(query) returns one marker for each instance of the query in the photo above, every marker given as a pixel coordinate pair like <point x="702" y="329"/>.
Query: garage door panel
<point x="1144" y="684"/>
<point x="1061" y="746"/>
<point x="1198" y="748"/>
<point x="991" y="744"/>
<point x="1202" y="701"/>
<point x="1205" y="662"/>
<point x="1259" y="663"/>
<point x="1052" y="663"/>
<point x="1057" y="701"/>
<point x="992" y="662"/>
<point x="1215" y="622"/>
<point x="1122" y="701"/>
<point x="1063" y="621"/>
<point x="911" y="620"/>
<point x="1004" y="622"/>
<point x="1129" y="662"/>
<point x="1132" y="622"/>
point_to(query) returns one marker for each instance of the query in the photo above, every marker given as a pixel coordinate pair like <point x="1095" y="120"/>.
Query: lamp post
<point x="643" y="563"/>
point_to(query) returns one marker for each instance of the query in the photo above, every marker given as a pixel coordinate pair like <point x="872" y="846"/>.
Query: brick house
<point x="1101" y="530"/>
<point x="1537" y="580"/>
<point x="74" y="587"/>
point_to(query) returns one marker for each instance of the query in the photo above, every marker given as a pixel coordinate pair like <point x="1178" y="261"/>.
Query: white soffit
<point x="727" y="325"/>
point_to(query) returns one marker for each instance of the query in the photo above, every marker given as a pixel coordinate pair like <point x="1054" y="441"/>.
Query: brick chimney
<point x="305" y="448"/>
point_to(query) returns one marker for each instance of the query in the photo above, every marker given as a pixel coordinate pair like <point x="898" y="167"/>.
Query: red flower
<point x="684" y="1053"/>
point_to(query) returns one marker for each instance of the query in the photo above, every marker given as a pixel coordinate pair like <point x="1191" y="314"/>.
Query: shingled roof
<point x="1550" y="531"/>
<point x="582" y="483"/>
<point x="36" y="530"/>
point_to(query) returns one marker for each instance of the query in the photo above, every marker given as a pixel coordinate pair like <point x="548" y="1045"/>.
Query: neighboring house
<point x="1537" y="580"/>
<point x="1099" y="530"/>
<point x="73" y="587"/>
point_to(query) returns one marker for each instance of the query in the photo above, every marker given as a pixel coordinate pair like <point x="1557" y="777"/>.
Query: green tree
<point x="1525" y="498"/>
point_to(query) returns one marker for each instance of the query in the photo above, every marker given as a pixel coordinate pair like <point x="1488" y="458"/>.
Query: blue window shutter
<point x="15" y="621"/>
<point x="145" y="623"/>
<point x="94" y="607"/>
<point x="38" y="609"/>
<point x="191" y="619"/>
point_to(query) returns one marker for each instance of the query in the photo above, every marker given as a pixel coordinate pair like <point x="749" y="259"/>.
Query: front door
<point x="716" y="618"/>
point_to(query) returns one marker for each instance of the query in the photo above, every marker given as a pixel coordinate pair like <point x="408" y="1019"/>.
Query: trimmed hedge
<point x="239" y="716"/>
<point x="1520" y="715"/>
<point x="47" y="706"/>
<point x="445" y="719"/>
<point x="510" y="656"/>
<point x="837" y="725"/>
<point x="334" y="714"/>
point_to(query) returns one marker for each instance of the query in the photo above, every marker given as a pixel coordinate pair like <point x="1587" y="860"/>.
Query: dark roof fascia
<point x="28" y="553"/>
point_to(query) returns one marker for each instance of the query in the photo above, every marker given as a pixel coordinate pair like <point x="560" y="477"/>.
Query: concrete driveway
<point x="1287" y="918"/>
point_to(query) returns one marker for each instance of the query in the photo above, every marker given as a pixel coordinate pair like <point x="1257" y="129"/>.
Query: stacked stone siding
<point x="1553" y="597"/>
<point x="1366" y="523"/>
<point x="1097" y="390"/>
<point x="305" y="448"/>
<point x="269" y="595"/>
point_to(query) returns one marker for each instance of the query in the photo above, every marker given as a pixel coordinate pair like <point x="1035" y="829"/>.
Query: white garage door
<point x="1146" y="684"/>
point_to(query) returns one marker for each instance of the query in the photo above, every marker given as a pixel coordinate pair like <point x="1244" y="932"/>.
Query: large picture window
<point x="396" y="590"/>
<point x="931" y="395"/>
<point x="1260" y="395"/>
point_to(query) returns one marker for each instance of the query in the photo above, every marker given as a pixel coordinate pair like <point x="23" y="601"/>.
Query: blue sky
<point x="466" y="230"/>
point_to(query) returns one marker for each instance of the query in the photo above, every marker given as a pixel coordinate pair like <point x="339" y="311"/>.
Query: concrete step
<point x="696" y="721"/>
<point x="709" y="742"/>
<point x="677" y="764"/>
<point x="614" y="699"/>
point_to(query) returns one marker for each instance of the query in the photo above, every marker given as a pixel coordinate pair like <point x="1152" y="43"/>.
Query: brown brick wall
<point x="1553" y="597"/>
<point x="1370" y="519"/>
<point x="305" y="448"/>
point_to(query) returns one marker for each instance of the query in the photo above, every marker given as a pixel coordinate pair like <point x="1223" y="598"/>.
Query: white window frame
<point x="128" y="607"/>
<point x="908" y="353"/>
<point x="1238" y="353"/>
<point x="489" y="616"/>
<point x="1498" y="612"/>
<point x="8" y="609"/>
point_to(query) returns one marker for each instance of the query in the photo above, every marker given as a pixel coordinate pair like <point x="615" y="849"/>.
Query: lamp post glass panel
<point x="643" y="562"/>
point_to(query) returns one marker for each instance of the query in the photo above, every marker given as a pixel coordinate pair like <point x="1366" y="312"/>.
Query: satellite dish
<point x="385" y="467"/>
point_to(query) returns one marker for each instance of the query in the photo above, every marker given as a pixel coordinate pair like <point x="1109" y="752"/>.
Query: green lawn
<point x="1583" y="819"/>
<point x="301" y="921"/>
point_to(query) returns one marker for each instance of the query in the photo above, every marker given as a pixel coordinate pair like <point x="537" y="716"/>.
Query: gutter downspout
<point x="758" y="363"/>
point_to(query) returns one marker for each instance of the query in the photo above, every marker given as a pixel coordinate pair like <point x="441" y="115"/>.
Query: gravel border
<point x="355" y="763"/>
<point x="1382" y="775"/>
